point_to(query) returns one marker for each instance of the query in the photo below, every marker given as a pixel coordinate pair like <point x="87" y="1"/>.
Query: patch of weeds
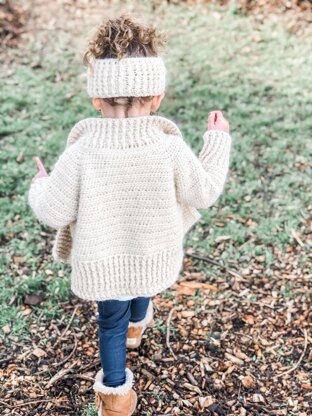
<point x="160" y="326"/>
<point x="58" y="289"/>
<point x="168" y="295"/>
<point x="287" y="290"/>
<point x="90" y="411"/>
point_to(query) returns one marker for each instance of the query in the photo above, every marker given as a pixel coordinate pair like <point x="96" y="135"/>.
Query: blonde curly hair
<point x="124" y="37"/>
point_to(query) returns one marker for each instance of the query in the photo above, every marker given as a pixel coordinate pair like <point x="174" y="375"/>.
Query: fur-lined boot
<point x="136" y="329"/>
<point x="114" y="401"/>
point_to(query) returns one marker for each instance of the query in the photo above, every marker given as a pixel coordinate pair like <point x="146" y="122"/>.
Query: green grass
<point x="90" y="411"/>
<point x="263" y="88"/>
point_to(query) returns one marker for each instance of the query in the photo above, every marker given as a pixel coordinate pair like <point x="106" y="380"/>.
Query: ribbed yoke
<point x="122" y="196"/>
<point x="123" y="133"/>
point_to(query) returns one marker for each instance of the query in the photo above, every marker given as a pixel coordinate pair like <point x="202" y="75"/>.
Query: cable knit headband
<point x="127" y="77"/>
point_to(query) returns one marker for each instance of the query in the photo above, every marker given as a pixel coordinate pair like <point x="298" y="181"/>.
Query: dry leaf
<point x="33" y="299"/>
<point x="234" y="359"/>
<point x="6" y="329"/>
<point x="248" y="382"/>
<point x="206" y="401"/>
<point x="258" y="398"/>
<point x="39" y="353"/>
<point x="249" y="319"/>
<point x="187" y="314"/>
<point x="26" y="311"/>
<point x="239" y="354"/>
<point x="222" y="238"/>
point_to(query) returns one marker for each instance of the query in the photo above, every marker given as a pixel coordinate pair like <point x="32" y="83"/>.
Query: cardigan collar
<point x="123" y="133"/>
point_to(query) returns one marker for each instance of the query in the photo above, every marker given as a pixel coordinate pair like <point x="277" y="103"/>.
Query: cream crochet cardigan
<point x="129" y="189"/>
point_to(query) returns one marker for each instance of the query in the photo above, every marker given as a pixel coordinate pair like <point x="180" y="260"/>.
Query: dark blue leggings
<point x="113" y="320"/>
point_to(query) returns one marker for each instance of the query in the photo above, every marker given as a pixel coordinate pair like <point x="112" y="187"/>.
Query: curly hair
<point x="120" y="38"/>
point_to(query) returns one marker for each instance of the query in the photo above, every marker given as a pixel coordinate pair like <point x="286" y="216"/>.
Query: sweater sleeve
<point x="200" y="180"/>
<point x="54" y="199"/>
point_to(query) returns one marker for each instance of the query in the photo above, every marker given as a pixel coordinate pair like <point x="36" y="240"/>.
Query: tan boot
<point x="115" y="401"/>
<point x="136" y="329"/>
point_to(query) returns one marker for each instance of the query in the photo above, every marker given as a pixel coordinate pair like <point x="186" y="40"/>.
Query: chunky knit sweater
<point x="130" y="188"/>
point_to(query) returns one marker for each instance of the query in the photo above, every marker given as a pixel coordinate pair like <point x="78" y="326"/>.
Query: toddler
<point x="128" y="187"/>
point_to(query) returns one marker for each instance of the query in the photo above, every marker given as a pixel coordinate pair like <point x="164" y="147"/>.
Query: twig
<point x="261" y="407"/>
<point x="6" y="359"/>
<point x="32" y="402"/>
<point x="66" y="329"/>
<point x="6" y="404"/>
<point x="216" y="263"/>
<point x="60" y="375"/>
<point x="93" y="364"/>
<point x="168" y="332"/>
<point x="301" y="356"/>
<point x="81" y="376"/>
<point x="254" y="302"/>
<point x="68" y="357"/>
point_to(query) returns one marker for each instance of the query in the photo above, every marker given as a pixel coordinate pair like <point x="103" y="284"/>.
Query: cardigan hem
<point x="133" y="276"/>
<point x="147" y="294"/>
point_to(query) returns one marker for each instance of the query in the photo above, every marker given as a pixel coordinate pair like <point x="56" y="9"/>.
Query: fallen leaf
<point x="248" y="382"/>
<point x="39" y="353"/>
<point x="205" y="401"/>
<point x="33" y="299"/>
<point x="26" y="311"/>
<point x="20" y="158"/>
<point x="222" y="238"/>
<point x="187" y="314"/>
<point x="6" y="329"/>
<point x="249" y="319"/>
<point x="234" y="359"/>
<point x="257" y="39"/>
<point x="258" y="398"/>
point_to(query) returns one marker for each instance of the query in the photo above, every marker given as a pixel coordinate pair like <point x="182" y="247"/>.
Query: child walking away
<point x="124" y="193"/>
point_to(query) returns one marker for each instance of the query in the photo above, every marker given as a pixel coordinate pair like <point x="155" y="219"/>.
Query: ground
<point x="233" y="336"/>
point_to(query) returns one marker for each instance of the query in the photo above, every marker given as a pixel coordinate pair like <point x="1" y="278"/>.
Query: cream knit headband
<point x="127" y="77"/>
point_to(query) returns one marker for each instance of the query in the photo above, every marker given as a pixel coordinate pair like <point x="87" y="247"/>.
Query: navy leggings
<point x="113" y="321"/>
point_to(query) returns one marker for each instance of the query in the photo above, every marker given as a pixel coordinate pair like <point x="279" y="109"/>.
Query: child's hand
<point x="42" y="172"/>
<point x="216" y="121"/>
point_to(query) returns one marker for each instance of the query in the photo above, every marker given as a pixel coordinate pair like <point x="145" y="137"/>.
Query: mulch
<point x="239" y="344"/>
<point x="12" y="19"/>
<point x="296" y="13"/>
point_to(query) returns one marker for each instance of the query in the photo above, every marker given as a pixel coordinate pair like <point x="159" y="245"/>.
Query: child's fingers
<point x="39" y="164"/>
<point x="211" y="117"/>
<point x="210" y="121"/>
<point x="216" y="121"/>
<point x="215" y="116"/>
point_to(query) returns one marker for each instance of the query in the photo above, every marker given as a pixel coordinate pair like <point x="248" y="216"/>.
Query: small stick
<point x="80" y="376"/>
<point x="301" y="357"/>
<point x="6" y="359"/>
<point x="32" y="402"/>
<point x="253" y="302"/>
<point x="68" y="357"/>
<point x="6" y="404"/>
<point x="66" y="329"/>
<point x="215" y="263"/>
<point x="93" y="364"/>
<point x="60" y="375"/>
<point x="261" y="407"/>
<point x="168" y="332"/>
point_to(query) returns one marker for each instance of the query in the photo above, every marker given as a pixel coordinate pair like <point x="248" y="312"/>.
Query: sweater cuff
<point x="217" y="146"/>
<point x="36" y="188"/>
